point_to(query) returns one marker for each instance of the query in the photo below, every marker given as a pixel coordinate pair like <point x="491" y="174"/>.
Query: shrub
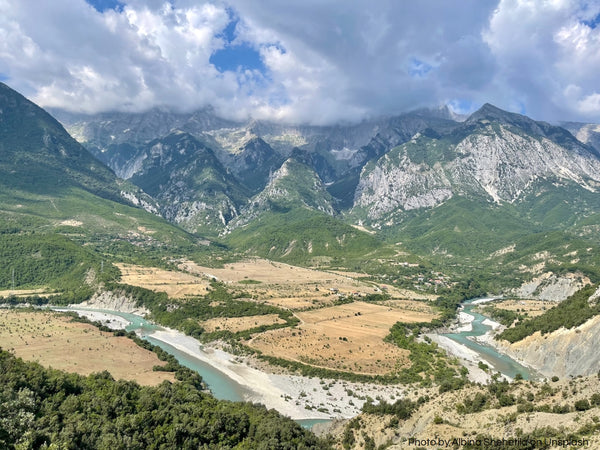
<point x="582" y="405"/>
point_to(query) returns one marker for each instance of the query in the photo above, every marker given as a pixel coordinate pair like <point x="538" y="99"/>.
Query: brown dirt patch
<point x="533" y="308"/>
<point x="54" y="341"/>
<point x="175" y="284"/>
<point x="235" y="324"/>
<point x="346" y="337"/>
<point x="291" y="286"/>
<point x="26" y="292"/>
<point x="376" y="315"/>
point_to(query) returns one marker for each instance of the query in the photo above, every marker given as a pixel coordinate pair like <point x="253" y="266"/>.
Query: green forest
<point x="45" y="408"/>
<point x="569" y="313"/>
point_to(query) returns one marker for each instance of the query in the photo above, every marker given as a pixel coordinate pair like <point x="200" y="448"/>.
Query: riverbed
<point x="306" y="400"/>
<point x="473" y="325"/>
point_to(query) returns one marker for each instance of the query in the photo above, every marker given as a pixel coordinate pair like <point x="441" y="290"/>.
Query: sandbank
<point x="469" y="358"/>
<point x="294" y="396"/>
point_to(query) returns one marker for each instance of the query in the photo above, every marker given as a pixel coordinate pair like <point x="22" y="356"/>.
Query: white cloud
<point x="548" y="57"/>
<point x="354" y="59"/>
<point x="66" y="54"/>
<point x="326" y="60"/>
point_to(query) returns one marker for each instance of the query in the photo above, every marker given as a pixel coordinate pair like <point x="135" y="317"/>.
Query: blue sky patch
<point x="103" y="5"/>
<point x="3" y="77"/>
<point x="236" y="56"/>
<point x="593" y="23"/>
<point x="418" y="68"/>
<point x="229" y="32"/>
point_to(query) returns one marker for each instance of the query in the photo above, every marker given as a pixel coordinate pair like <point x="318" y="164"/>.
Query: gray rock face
<point x="191" y="186"/>
<point x="588" y="133"/>
<point x="562" y="352"/>
<point x="376" y="168"/>
<point x="113" y="301"/>
<point x="253" y="163"/>
<point x="552" y="288"/>
<point x="106" y="129"/>
<point x="332" y="151"/>
<point x="496" y="161"/>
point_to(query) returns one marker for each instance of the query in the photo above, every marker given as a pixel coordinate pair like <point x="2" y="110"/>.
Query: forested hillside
<point x="44" y="407"/>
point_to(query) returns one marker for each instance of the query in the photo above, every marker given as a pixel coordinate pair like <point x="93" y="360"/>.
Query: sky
<point x="305" y="61"/>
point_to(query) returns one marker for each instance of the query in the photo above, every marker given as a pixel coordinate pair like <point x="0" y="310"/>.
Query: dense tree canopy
<point x="41" y="406"/>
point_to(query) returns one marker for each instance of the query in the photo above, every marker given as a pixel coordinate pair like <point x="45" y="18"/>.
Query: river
<point x="221" y="386"/>
<point x="497" y="361"/>
<point x="224" y="387"/>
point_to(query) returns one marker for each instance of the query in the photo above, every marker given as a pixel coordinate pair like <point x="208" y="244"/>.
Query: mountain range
<point x="456" y="207"/>
<point x="457" y="191"/>
<point x="58" y="203"/>
<point x="427" y="178"/>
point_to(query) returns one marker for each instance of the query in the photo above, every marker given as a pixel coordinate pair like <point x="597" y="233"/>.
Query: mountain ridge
<point x="422" y="178"/>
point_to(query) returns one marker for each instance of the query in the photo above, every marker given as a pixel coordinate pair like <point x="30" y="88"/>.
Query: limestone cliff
<point x="562" y="352"/>
<point x="113" y="301"/>
<point x="488" y="159"/>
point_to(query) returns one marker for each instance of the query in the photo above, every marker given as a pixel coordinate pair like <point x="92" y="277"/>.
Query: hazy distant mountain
<point x="251" y="150"/>
<point x="438" y="182"/>
<point x="588" y="133"/>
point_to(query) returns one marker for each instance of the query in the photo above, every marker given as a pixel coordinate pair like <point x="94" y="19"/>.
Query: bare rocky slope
<point x="551" y="287"/>
<point x="588" y="133"/>
<point x="113" y="301"/>
<point x="565" y="352"/>
<point x="543" y="411"/>
<point x="494" y="155"/>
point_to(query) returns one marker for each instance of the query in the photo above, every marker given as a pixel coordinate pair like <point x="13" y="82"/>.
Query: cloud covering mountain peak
<point x="305" y="62"/>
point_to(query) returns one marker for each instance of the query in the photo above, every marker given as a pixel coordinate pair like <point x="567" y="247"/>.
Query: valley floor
<point x="297" y="397"/>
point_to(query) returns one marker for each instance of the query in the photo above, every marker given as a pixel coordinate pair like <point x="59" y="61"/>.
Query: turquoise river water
<point x="224" y="388"/>
<point x="498" y="361"/>
<point x="220" y="385"/>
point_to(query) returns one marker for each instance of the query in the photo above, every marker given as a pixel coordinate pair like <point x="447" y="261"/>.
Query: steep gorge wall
<point x="113" y="301"/>
<point x="563" y="352"/>
<point x="550" y="287"/>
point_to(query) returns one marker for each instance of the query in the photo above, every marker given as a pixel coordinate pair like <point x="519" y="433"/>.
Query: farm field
<point x="533" y="308"/>
<point x="41" y="292"/>
<point x="346" y="337"/>
<point x="293" y="287"/>
<point x="235" y="324"/>
<point x="54" y="341"/>
<point x="175" y="284"/>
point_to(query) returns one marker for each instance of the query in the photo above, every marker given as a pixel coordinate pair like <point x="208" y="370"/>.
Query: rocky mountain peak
<point x="494" y="156"/>
<point x="491" y="113"/>
<point x="293" y="185"/>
